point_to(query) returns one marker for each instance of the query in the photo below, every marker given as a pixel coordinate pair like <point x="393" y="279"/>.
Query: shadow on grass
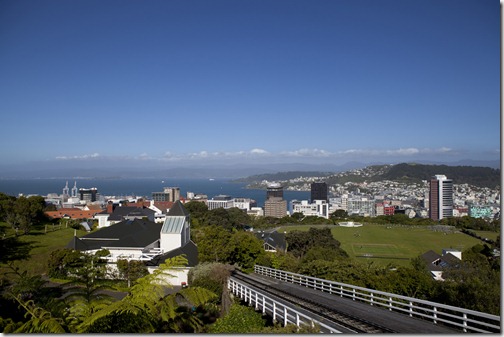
<point x="12" y="249"/>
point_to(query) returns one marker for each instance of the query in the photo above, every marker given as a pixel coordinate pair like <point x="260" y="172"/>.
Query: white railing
<point x="280" y="312"/>
<point x="465" y="319"/>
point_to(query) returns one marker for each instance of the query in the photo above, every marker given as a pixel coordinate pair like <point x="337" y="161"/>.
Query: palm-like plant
<point x="40" y="320"/>
<point x="146" y="304"/>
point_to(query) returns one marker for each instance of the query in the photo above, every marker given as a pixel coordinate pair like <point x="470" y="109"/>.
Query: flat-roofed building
<point x="220" y="201"/>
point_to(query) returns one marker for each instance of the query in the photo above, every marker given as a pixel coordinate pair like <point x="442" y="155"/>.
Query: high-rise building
<point x="169" y="194"/>
<point x="88" y="194"/>
<point x="318" y="191"/>
<point x="274" y="190"/>
<point x="275" y="206"/>
<point x="440" y="197"/>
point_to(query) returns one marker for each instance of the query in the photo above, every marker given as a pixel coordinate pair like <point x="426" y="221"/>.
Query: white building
<point x="144" y="240"/>
<point x="220" y="201"/>
<point x="318" y="208"/>
<point x="244" y="203"/>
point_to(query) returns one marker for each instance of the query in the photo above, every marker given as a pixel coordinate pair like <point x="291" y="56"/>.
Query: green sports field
<point x="384" y="244"/>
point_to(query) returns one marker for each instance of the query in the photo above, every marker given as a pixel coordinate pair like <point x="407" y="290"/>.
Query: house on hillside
<point x="115" y="214"/>
<point x="272" y="241"/>
<point x="144" y="240"/>
<point x="438" y="263"/>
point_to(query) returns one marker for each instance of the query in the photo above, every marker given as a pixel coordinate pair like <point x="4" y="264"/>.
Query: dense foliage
<point x="83" y="304"/>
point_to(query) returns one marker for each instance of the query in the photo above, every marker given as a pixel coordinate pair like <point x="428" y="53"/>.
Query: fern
<point x="40" y="320"/>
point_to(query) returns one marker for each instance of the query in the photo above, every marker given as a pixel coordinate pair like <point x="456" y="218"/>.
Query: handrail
<point x="467" y="320"/>
<point x="279" y="312"/>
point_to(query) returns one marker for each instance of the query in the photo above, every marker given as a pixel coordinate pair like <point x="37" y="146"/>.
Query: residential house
<point x="115" y="214"/>
<point x="436" y="263"/>
<point x="272" y="241"/>
<point x="144" y="240"/>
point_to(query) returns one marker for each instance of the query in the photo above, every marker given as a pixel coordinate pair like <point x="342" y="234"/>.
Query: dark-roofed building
<point x="436" y="263"/>
<point x="115" y="215"/>
<point x="272" y="241"/>
<point x="145" y="240"/>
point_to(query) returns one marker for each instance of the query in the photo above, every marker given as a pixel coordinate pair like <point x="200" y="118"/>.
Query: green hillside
<point x="394" y="244"/>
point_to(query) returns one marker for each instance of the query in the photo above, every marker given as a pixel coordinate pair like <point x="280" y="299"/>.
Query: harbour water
<point x="142" y="187"/>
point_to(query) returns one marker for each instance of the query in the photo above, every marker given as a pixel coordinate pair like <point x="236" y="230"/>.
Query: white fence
<point x="466" y="320"/>
<point x="278" y="311"/>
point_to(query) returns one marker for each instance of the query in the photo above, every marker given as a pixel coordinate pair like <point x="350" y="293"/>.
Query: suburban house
<point x="115" y="214"/>
<point x="272" y="241"/>
<point x="438" y="263"/>
<point x="145" y="240"/>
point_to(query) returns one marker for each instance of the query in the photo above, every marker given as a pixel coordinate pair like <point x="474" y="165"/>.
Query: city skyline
<point x="192" y="83"/>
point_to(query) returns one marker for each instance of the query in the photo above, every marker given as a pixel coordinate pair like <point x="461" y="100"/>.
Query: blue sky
<point x="187" y="81"/>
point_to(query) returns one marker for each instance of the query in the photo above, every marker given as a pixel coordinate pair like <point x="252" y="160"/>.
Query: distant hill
<point x="404" y="172"/>
<point x="472" y="175"/>
<point x="279" y="176"/>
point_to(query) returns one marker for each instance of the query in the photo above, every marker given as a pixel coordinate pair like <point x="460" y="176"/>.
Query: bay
<point x="142" y="188"/>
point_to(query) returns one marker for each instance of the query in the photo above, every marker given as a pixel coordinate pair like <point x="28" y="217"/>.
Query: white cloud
<point x="258" y="151"/>
<point x="86" y="156"/>
<point x="307" y="153"/>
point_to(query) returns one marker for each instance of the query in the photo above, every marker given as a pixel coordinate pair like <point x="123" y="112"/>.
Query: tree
<point x="212" y="244"/>
<point x="196" y="209"/>
<point x="146" y="306"/>
<point x="238" y="217"/>
<point x="131" y="270"/>
<point x="297" y="216"/>
<point x="474" y="283"/>
<point x="22" y="213"/>
<point x="338" y="214"/>
<point x="39" y="319"/>
<point x="299" y="242"/>
<point x="244" y="250"/>
<point x="240" y="319"/>
<point x="219" y="217"/>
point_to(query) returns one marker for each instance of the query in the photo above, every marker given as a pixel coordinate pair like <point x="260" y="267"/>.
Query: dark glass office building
<point x="319" y="191"/>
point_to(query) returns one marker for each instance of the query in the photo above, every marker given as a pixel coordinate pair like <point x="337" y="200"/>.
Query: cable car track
<point x="354" y="324"/>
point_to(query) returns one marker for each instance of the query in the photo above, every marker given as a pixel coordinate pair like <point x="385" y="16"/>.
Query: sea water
<point x="142" y="187"/>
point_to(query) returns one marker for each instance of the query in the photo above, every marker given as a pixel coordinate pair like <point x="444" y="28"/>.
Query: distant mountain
<point x="404" y="172"/>
<point x="280" y="176"/>
<point x="152" y="169"/>
<point x="473" y="175"/>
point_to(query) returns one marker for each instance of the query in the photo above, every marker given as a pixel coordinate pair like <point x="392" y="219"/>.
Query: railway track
<point x="310" y="303"/>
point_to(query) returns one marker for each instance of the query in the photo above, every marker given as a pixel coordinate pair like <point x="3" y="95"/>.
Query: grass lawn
<point x="42" y="245"/>
<point x="487" y="234"/>
<point x="384" y="244"/>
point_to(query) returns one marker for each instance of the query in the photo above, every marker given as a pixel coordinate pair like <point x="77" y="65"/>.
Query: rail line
<point x="353" y="324"/>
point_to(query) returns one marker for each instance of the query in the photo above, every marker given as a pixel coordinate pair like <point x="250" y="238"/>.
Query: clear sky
<point x="236" y="81"/>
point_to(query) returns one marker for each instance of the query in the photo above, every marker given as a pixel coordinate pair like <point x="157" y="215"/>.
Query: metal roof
<point x="173" y="225"/>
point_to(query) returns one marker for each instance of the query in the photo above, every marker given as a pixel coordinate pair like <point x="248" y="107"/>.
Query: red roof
<point x="73" y="213"/>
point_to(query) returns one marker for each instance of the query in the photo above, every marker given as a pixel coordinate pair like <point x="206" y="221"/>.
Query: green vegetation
<point x="282" y="176"/>
<point x="41" y="244"/>
<point x="404" y="173"/>
<point x="383" y="255"/>
<point x="392" y="244"/>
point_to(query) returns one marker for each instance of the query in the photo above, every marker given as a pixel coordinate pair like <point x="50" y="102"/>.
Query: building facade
<point x="275" y="206"/>
<point x="88" y="194"/>
<point x="220" y="201"/>
<point x="171" y="194"/>
<point x="440" y="197"/>
<point x="318" y="191"/>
